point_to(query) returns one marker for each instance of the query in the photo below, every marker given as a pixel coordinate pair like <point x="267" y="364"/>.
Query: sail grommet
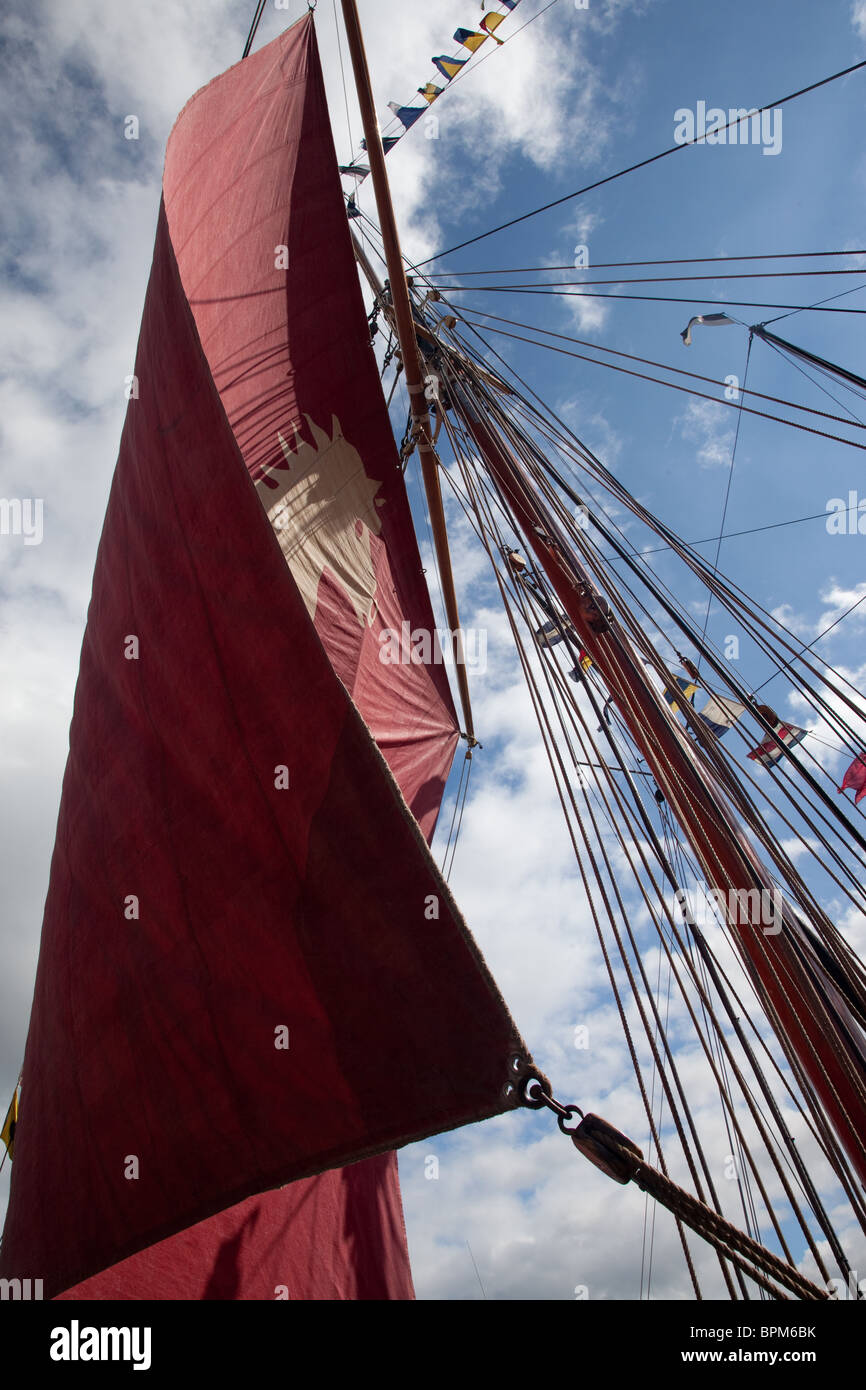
<point x="536" y="1097"/>
<point x="522" y="1073"/>
<point x="519" y="1073"/>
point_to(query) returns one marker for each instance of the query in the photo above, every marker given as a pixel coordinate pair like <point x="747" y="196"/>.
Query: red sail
<point x="258" y="223"/>
<point x="251" y="970"/>
<point x="339" y="1235"/>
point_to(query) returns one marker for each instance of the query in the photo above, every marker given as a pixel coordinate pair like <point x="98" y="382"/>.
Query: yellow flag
<point x="7" y="1134"/>
<point x="470" y="39"/>
<point x="688" y="688"/>
<point x="491" y="22"/>
<point x="449" y="67"/>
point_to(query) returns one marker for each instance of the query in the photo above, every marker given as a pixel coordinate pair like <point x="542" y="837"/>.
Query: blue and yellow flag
<point x="470" y="38"/>
<point x="7" y="1134"/>
<point x="449" y="67"/>
<point x="490" y="22"/>
<point x="430" y="92"/>
<point x="688" y="688"/>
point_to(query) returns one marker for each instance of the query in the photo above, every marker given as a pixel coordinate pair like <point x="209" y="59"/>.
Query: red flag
<point x="246" y="944"/>
<point x="768" y="752"/>
<point x="856" y="777"/>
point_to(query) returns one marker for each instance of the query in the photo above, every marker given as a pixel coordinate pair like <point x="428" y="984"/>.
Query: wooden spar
<point x="795" y="1002"/>
<point x="405" y="328"/>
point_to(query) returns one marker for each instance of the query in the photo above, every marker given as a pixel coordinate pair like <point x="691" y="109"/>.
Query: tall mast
<point x="406" y="337"/>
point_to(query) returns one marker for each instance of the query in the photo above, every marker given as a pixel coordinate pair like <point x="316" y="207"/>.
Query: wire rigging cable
<point x="641" y="164"/>
<point x="625" y="265"/>
<point x="650" y="362"/>
<point x="689" y="390"/>
<point x="701" y="569"/>
<point x="343" y="77"/>
<point x="260" y="9"/>
<point x="665" y="279"/>
<point x="666" y="299"/>
<point x="728" y="488"/>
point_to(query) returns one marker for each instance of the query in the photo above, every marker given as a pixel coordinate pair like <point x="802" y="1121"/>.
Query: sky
<point x="577" y="94"/>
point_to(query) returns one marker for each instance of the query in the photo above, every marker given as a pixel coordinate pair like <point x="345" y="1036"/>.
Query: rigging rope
<point x="702" y="572"/>
<point x="688" y="390"/>
<point x="748" y="531"/>
<point x="816" y="305"/>
<point x="659" y="279"/>
<point x="343" y="77"/>
<point x="650" y="362"/>
<point x="457" y="815"/>
<point x="808" y="648"/>
<point x="707" y="576"/>
<point x="641" y="164"/>
<point x="786" y="357"/>
<point x="545" y="740"/>
<point x="727" y="489"/>
<point x="626" y="265"/>
<point x="567" y="439"/>
<point x="260" y="9"/>
<point x="816" y="308"/>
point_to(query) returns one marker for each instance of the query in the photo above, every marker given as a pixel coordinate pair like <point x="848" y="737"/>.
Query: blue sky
<point x="577" y="95"/>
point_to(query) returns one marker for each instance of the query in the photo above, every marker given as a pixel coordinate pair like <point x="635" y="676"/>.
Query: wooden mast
<point x="412" y="369"/>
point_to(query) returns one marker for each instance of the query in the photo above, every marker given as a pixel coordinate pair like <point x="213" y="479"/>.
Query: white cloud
<point x="589" y="314"/>
<point x="595" y="430"/>
<point x="858" y="17"/>
<point x="844" y="603"/>
<point x="707" y="424"/>
<point x="516" y="102"/>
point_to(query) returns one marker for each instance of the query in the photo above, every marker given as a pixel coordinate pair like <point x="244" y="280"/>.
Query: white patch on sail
<point x="323" y="512"/>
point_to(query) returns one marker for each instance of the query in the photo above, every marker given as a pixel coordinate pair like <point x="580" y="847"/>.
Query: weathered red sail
<point x="258" y="222"/>
<point x="235" y="868"/>
<point x="339" y="1235"/>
